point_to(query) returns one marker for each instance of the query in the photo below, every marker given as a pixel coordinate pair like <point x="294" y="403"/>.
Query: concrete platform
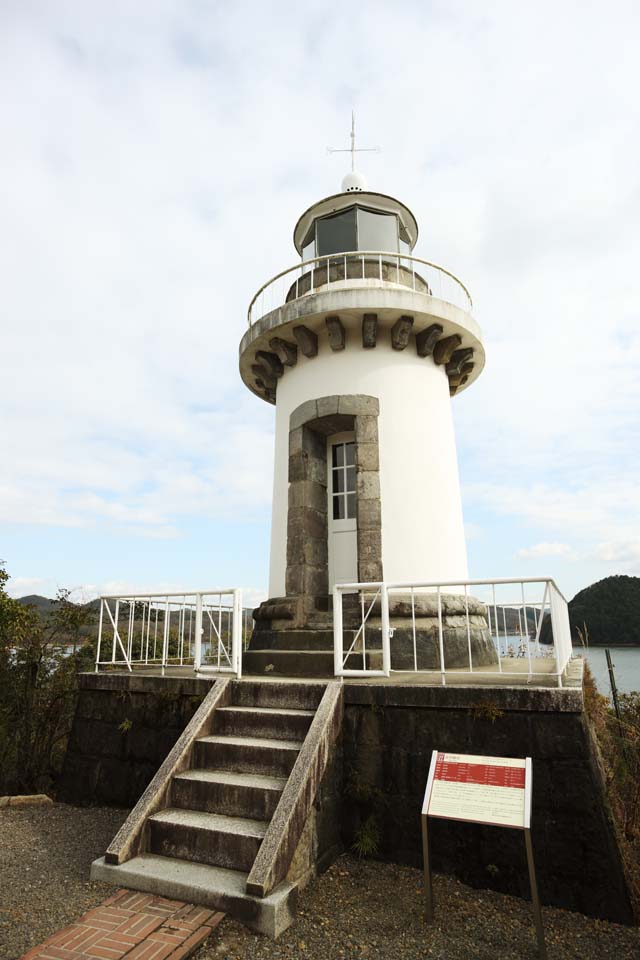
<point x="514" y="674"/>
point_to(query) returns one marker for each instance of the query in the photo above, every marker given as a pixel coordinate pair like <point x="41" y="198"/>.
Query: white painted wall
<point x="422" y="528"/>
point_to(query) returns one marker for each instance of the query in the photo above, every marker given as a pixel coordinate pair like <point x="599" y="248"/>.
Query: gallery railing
<point x="354" y="269"/>
<point x="204" y="629"/>
<point x="489" y="628"/>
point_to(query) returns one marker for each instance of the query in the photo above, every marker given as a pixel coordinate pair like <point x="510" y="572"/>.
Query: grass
<point x="619" y="741"/>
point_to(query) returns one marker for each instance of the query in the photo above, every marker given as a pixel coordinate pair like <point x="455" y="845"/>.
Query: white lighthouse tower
<point x="360" y="346"/>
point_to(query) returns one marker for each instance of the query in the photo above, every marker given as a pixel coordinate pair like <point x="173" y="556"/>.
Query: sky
<point x="155" y="158"/>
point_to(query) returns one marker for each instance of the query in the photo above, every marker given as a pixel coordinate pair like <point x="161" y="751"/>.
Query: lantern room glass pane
<point x="377" y="231"/>
<point x="337" y="234"/>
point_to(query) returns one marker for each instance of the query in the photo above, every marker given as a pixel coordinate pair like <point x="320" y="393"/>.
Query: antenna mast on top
<point x="353" y="149"/>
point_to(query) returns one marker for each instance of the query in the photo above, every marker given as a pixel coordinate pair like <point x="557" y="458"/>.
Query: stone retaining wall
<point x="387" y="737"/>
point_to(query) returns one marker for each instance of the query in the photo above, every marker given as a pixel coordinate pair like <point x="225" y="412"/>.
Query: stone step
<point x="279" y="723"/>
<point x="260" y="693"/>
<point x="303" y="663"/>
<point x="261" y="755"/>
<point x="227" y="792"/>
<point x="317" y="639"/>
<point x="212" y="838"/>
<point x="213" y="887"/>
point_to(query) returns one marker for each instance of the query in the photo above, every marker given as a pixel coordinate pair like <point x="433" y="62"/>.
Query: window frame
<point x="312" y="233"/>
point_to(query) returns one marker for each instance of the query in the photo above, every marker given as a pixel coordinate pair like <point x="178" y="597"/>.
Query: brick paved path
<point x="131" y="926"/>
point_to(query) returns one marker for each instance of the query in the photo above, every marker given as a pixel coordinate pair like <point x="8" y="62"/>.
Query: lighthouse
<point x="361" y="345"/>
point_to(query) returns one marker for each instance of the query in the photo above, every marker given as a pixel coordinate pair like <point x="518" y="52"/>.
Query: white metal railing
<point x="204" y="629"/>
<point x="353" y="269"/>
<point x="519" y="616"/>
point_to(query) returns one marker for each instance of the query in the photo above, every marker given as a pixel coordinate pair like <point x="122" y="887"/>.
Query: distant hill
<point x="610" y="609"/>
<point x="43" y="605"/>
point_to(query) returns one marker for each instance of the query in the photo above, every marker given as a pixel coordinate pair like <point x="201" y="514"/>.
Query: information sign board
<point x="490" y="790"/>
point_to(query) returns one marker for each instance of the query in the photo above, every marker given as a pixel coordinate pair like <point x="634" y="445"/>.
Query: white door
<point x="341" y="487"/>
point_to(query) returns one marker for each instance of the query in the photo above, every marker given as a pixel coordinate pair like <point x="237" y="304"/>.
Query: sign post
<point x="495" y="791"/>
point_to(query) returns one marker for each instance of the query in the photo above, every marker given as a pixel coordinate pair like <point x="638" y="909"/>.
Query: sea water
<point x="626" y="661"/>
<point x="626" y="667"/>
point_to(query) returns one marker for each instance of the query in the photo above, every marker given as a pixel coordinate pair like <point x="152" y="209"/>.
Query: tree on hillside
<point x="38" y="687"/>
<point x="610" y="609"/>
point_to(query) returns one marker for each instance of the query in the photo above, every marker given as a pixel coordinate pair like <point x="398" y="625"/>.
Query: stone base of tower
<point x="290" y="639"/>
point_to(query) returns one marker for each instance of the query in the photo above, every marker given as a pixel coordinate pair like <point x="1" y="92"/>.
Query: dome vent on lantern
<point x="353" y="182"/>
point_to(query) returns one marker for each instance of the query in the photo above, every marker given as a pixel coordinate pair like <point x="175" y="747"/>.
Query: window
<point x="337" y="234"/>
<point x="343" y="480"/>
<point x="309" y="244"/>
<point x="377" y="231"/>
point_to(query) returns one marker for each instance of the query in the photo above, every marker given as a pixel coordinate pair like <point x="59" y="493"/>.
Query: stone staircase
<point x="200" y="825"/>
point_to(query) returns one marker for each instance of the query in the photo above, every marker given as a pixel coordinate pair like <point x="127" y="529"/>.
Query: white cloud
<point x="544" y="550"/>
<point x="155" y="160"/>
<point x="26" y="586"/>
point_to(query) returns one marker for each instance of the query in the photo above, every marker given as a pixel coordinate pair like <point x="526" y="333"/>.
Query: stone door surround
<point x="310" y="424"/>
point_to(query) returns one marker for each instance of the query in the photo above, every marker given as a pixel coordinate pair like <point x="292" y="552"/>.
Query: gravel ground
<point x="358" y="910"/>
<point x="363" y="910"/>
<point x="45" y="855"/>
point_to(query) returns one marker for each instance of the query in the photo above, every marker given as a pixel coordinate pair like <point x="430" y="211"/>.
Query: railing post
<point x="237" y="632"/>
<point x="466" y="602"/>
<point x="99" y="634"/>
<point x="497" y="626"/>
<point x="441" y="637"/>
<point x="386" y="645"/>
<point x="165" y="638"/>
<point x="197" y="654"/>
<point x="337" y="632"/>
<point x="115" y="630"/>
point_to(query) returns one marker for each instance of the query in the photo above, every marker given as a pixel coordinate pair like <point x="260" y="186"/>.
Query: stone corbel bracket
<point x="443" y="334"/>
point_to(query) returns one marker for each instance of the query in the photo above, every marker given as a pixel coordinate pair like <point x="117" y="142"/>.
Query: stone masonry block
<point x="427" y="339"/>
<point x="369" y="571"/>
<point x="296" y="441"/>
<point x="369" y="514"/>
<point x="367" y="429"/>
<point x="315" y="552"/>
<point x="327" y="406"/>
<point x="317" y="471"/>
<point x="400" y="333"/>
<point x="359" y="405"/>
<point x="307" y="340"/>
<point x="306" y="493"/>
<point x="337" y="334"/>
<point x="316" y="580"/>
<point x="302" y="414"/>
<point x="299" y="464"/>
<point x="307" y="522"/>
<point x="314" y="444"/>
<point x="368" y="485"/>
<point x="367" y="457"/>
<point x="294" y="581"/>
<point x="295" y="549"/>
<point x="444" y="349"/>
<point x="369" y="330"/>
<point x="370" y="547"/>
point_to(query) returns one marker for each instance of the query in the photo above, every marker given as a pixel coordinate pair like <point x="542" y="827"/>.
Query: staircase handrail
<point x="283" y="833"/>
<point x="130" y="840"/>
